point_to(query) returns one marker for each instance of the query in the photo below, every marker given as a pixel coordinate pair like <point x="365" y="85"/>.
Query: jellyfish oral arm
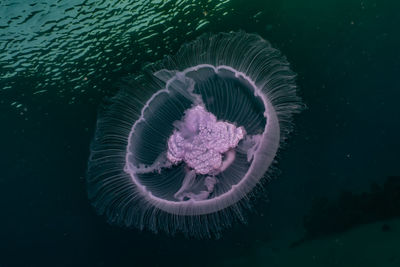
<point x="229" y="158"/>
<point x="249" y="145"/>
<point x="160" y="163"/>
<point x="190" y="184"/>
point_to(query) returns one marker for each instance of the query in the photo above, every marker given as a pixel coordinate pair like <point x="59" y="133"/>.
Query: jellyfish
<point x="186" y="143"/>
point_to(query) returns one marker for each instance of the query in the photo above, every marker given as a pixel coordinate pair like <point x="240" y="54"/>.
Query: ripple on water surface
<point x="63" y="45"/>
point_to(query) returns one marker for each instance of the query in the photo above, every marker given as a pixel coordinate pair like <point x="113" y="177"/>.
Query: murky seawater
<point x="61" y="60"/>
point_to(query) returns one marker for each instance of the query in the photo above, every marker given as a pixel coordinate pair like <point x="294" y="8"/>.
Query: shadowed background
<point x="59" y="60"/>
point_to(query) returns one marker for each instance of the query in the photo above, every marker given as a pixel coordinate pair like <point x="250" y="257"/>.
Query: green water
<point x="61" y="60"/>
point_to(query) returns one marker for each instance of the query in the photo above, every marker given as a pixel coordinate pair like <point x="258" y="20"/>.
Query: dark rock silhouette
<point x="381" y="203"/>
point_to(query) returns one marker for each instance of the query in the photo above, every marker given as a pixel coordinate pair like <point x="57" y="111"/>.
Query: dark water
<point x="60" y="59"/>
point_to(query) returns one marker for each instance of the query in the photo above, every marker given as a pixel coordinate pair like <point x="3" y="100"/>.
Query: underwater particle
<point x="184" y="145"/>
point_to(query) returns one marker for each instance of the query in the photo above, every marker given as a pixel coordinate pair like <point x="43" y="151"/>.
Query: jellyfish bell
<point x="185" y="144"/>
